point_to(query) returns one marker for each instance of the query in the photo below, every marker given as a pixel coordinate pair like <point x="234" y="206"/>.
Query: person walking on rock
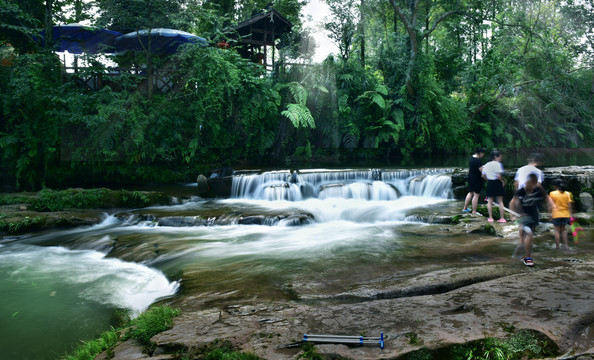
<point x="525" y="202"/>
<point x="493" y="171"/>
<point x="475" y="180"/>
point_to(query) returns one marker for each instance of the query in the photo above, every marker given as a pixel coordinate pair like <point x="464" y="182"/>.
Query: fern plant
<point x="297" y="112"/>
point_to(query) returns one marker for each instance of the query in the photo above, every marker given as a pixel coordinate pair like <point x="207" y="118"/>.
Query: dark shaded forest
<point x="413" y="78"/>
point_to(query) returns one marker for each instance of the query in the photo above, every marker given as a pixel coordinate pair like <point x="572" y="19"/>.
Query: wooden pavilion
<point x="255" y="35"/>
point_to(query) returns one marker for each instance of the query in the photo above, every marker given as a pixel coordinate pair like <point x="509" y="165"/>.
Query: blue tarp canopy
<point x="162" y="41"/>
<point x="77" y="39"/>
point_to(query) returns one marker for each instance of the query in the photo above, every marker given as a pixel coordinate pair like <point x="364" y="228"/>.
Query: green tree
<point x="19" y="23"/>
<point x="29" y="137"/>
<point x="231" y="109"/>
<point x="341" y="26"/>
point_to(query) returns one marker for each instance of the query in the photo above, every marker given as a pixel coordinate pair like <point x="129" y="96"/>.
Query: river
<point x="305" y="237"/>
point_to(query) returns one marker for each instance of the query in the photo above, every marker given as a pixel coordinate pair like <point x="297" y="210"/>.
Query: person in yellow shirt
<point x="561" y="213"/>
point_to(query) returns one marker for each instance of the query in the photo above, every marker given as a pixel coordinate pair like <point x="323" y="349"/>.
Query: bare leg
<point x="563" y="232"/>
<point x="467" y="200"/>
<point x="557" y="236"/>
<point x="528" y="244"/>
<point x="490" y="207"/>
<point x="501" y="213"/>
<point x="475" y="199"/>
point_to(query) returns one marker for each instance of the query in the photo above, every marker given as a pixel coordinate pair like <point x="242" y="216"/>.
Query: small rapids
<point x="317" y="232"/>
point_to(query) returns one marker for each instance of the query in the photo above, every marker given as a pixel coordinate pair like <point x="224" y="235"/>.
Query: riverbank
<point x="50" y="209"/>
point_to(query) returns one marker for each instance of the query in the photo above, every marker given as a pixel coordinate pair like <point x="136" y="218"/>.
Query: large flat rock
<point x="555" y="297"/>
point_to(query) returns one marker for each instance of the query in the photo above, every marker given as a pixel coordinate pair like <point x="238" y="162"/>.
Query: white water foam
<point x="104" y="280"/>
<point x="349" y="184"/>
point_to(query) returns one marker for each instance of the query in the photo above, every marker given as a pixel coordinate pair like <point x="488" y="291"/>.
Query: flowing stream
<point x="281" y="236"/>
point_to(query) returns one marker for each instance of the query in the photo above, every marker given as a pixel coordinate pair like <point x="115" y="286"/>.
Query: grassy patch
<point x="310" y="353"/>
<point x="413" y="338"/>
<point x="89" y="349"/>
<point x="14" y="199"/>
<point x="218" y="350"/>
<point x="59" y="200"/>
<point x="524" y="344"/>
<point x="153" y="321"/>
<point x="12" y="225"/>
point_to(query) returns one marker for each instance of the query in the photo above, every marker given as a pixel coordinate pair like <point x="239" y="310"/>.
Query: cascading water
<point x="316" y="230"/>
<point x="372" y="184"/>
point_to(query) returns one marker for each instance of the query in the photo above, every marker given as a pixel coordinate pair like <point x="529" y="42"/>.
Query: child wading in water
<point x="561" y="212"/>
<point x="525" y="202"/>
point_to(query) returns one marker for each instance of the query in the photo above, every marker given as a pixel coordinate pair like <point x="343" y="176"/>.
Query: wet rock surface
<point x="440" y="307"/>
<point x="443" y="307"/>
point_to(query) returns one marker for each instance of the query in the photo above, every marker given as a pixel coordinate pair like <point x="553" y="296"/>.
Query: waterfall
<point x="373" y="184"/>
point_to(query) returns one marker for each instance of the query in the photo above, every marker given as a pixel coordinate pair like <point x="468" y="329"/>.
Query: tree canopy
<point x="413" y="78"/>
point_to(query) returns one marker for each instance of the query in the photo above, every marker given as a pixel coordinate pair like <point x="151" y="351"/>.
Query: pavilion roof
<point x="262" y="28"/>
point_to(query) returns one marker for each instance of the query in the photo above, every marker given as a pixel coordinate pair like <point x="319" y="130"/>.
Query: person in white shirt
<point x="493" y="171"/>
<point x="534" y="160"/>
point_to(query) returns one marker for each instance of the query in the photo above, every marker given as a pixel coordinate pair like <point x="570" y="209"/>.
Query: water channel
<point x="281" y="236"/>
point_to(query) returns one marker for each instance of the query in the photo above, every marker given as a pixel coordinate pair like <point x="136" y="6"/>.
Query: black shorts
<point x="475" y="184"/>
<point x="560" y="221"/>
<point x="495" y="188"/>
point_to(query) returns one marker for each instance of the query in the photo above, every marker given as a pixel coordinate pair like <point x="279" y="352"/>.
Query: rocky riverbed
<point x="478" y="296"/>
<point x="438" y="308"/>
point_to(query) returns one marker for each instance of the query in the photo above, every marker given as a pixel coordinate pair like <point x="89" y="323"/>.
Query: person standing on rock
<point x="534" y="160"/>
<point x="525" y="202"/>
<point x="561" y="213"/>
<point x="493" y="172"/>
<point x="475" y="180"/>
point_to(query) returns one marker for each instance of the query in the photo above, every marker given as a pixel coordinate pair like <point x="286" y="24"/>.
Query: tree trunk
<point x="362" y="32"/>
<point x="49" y="4"/>
<point x="414" y="48"/>
<point x="409" y="25"/>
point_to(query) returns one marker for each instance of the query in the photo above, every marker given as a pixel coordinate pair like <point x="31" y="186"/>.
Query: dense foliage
<point x="413" y="78"/>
